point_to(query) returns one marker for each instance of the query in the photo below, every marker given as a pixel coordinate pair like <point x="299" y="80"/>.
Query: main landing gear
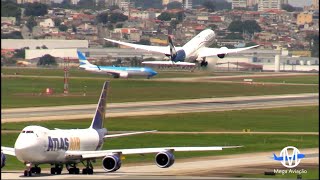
<point x="29" y="170"/>
<point x="88" y="169"/>
<point x="57" y="169"/>
<point x="72" y="169"/>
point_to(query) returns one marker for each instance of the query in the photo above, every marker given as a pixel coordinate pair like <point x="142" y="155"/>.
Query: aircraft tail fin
<point x="173" y="52"/>
<point x="82" y="59"/>
<point x="97" y="121"/>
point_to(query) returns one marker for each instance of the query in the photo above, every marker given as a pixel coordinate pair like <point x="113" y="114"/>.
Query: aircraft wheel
<point x="33" y="170"/>
<point x="58" y="170"/>
<point x="25" y="173"/>
<point x="77" y="171"/>
<point x="71" y="171"/>
<point x="84" y="171"/>
<point x="90" y="171"/>
<point x="38" y="170"/>
<point x="53" y="170"/>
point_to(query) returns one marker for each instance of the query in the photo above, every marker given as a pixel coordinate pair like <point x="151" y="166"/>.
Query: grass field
<point x="74" y="72"/>
<point x="29" y="91"/>
<point x="289" y="119"/>
<point x="251" y="143"/>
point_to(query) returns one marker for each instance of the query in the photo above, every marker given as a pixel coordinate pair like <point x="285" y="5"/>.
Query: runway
<point x="214" y="167"/>
<point x="159" y="107"/>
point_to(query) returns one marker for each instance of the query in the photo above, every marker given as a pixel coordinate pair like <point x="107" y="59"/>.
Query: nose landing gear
<point x="29" y="170"/>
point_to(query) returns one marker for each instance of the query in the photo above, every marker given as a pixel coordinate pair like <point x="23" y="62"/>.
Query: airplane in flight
<point x="116" y="72"/>
<point x="38" y="145"/>
<point x="196" y="48"/>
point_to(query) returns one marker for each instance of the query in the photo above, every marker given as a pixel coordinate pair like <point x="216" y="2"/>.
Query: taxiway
<point x="159" y="107"/>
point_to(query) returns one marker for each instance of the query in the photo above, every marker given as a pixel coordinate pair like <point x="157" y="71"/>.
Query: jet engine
<point x="3" y="160"/>
<point x="121" y="75"/>
<point x="222" y="49"/>
<point x="124" y="74"/>
<point x="164" y="159"/>
<point x="111" y="163"/>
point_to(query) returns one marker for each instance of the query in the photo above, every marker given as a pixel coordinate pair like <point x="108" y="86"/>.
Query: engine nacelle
<point x="124" y="74"/>
<point x="222" y="49"/>
<point x="179" y="56"/>
<point x="164" y="159"/>
<point x="221" y="55"/>
<point x="111" y="163"/>
<point x="3" y="160"/>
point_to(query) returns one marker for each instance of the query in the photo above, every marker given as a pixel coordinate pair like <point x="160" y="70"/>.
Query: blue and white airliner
<point x="195" y="49"/>
<point x="37" y="145"/>
<point x="116" y="72"/>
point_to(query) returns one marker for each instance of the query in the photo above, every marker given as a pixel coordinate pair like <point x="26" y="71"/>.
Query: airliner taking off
<point x="116" y="72"/>
<point x="196" y="48"/>
<point x="37" y="145"/>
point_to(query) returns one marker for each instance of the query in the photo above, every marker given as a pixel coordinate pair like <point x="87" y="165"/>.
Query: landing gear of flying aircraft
<point x="204" y="63"/>
<point x="73" y="169"/>
<point x="57" y="169"/>
<point x="88" y="169"/>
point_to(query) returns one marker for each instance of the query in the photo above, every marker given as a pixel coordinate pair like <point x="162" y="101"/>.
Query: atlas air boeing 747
<point x="38" y="145"/>
<point x="116" y="72"/>
<point x="196" y="48"/>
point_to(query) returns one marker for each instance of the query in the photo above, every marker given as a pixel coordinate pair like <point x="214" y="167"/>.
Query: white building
<point x="143" y="14"/>
<point x="51" y="44"/>
<point x="239" y="4"/>
<point x="48" y="23"/>
<point x="269" y="4"/>
<point x="187" y="4"/>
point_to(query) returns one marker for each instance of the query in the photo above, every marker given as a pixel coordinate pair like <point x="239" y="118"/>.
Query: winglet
<point x="97" y="122"/>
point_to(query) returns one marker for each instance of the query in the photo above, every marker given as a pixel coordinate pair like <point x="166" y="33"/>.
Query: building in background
<point x="269" y="4"/>
<point x="187" y="4"/>
<point x="33" y="1"/>
<point x="304" y="18"/>
<point x="251" y="3"/>
<point x="239" y="4"/>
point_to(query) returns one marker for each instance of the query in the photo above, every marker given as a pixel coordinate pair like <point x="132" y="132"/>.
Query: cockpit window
<point x="29" y="131"/>
<point x="23" y="132"/>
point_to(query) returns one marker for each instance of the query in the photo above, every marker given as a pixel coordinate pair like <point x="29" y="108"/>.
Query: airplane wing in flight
<point x="205" y="52"/>
<point x="103" y="153"/>
<point x="179" y="63"/>
<point x="157" y="49"/>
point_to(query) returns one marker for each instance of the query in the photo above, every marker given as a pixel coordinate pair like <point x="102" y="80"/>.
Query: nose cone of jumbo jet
<point x="26" y="148"/>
